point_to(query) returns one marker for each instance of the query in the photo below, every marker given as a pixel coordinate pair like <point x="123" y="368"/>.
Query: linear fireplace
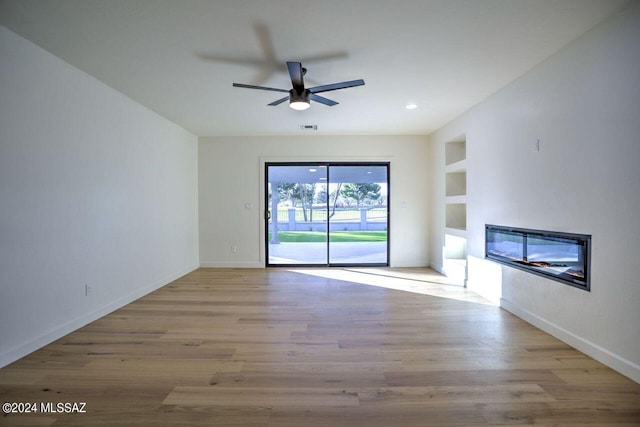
<point x="565" y="257"/>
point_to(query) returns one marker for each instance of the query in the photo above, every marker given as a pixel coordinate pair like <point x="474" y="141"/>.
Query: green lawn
<point x="336" y="236"/>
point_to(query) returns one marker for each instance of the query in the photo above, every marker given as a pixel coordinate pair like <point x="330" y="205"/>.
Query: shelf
<point x="456" y="184"/>
<point x="455" y="247"/>
<point x="456" y="200"/>
<point x="455" y="151"/>
<point x="456" y="216"/>
<point x="458" y="232"/>
<point x="459" y="166"/>
<point x="455" y="258"/>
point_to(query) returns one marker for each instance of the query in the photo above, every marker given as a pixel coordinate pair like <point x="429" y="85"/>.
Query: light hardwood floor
<point x="316" y="347"/>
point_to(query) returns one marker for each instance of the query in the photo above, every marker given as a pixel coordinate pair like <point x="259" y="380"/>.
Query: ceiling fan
<point x="267" y="63"/>
<point x="299" y="97"/>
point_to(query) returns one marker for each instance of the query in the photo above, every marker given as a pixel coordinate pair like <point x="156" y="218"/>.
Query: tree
<point x="332" y="199"/>
<point x="286" y="191"/>
<point x="335" y="195"/>
<point x="361" y="192"/>
<point x="297" y="193"/>
<point x="305" y="194"/>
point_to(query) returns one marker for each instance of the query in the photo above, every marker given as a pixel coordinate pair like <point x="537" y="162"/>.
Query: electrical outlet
<point x="88" y="290"/>
<point x="234" y="248"/>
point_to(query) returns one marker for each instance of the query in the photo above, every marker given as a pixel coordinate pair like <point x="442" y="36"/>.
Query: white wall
<point x="94" y="190"/>
<point x="584" y="106"/>
<point x="231" y="174"/>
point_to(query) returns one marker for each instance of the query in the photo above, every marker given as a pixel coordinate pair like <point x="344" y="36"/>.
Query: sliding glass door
<point x="332" y="214"/>
<point x="296" y="218"/>
<point x="358" y="217"/>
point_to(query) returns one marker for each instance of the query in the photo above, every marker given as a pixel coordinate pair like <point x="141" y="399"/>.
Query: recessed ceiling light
<point x="411" y="106"/>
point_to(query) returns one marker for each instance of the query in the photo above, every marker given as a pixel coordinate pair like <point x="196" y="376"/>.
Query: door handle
<point x="267" y="215"/>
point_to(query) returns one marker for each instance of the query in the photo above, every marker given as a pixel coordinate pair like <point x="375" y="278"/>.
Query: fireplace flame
<point x="579" y="274"/>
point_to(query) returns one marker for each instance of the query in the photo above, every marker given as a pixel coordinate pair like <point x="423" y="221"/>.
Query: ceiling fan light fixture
<point x="299" y="105"/>
<point x="299" y="101"/>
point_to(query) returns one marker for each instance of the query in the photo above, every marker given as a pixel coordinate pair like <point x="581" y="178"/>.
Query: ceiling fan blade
<point x="266" y="43"/>
<point x="230" y="59"/>
<point x="322" y="100"/>
<point x="324" y="57"/>
<point x="259" y="87"/>
<point x="336" y="86"/>
<point x="295" y="72"/>
<point x="279" y="101"/>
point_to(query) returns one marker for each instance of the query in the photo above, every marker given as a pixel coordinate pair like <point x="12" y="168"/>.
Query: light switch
<point x="535" y="147"/>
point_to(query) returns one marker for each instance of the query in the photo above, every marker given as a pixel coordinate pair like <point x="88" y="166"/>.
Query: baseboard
<point x="58" y="332"/>
<point x="231" y="265"/>
<point x="612" y="360"/>
<point x="480" y="288"/>
<point x="438" y="267"/>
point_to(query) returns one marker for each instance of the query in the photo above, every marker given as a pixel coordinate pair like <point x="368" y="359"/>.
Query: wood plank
<point x="261" y="397"/>
<point x="381" y="416"/>
<point x="297" y="379"/>
<point x="454" y="394"/>
<point x="471" y="378"/>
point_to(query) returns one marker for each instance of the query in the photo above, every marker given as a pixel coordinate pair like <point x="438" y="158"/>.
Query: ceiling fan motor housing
<point x="299" y="100"/>
<point x="295" y="96"/>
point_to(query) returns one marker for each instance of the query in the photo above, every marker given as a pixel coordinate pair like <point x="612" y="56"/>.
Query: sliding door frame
<point x="328" y="165"/>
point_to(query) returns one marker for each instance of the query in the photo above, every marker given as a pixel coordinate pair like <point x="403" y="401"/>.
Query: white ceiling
<point x="180" y="57"/>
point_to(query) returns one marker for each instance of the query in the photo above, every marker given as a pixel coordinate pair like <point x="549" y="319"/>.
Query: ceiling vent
<point x="308" y="127"/>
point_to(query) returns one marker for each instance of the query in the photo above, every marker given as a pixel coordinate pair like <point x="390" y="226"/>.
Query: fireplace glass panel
<point x="556" y="256"/>
<point x="561" y="256"/>
<point x="506" y="244"/>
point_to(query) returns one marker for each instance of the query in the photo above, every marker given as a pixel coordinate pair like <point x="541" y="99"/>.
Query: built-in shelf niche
<point x="456" y="216"/>
<point x="455" y="258"/>
<point x="456" y="184"/>
<point x="455" y="247"/>
<point x="455" y="151"/>
<point x="455" y="205"/>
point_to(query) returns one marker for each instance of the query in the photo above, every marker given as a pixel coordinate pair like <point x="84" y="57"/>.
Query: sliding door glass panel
<point x="296" y="214"/>
<point x="358" y="214"/>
